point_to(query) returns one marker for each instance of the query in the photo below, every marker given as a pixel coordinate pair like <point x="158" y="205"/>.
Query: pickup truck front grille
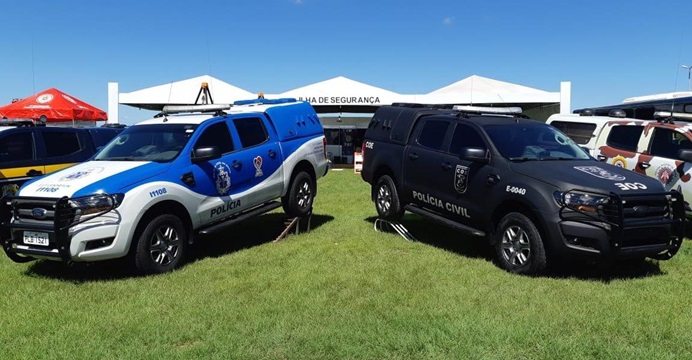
<point x="49" y="213"/>
<point x="634" y="220"/>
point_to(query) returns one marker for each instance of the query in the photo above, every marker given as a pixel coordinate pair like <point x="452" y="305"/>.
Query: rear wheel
<point x="387" y="199"/>
<point x="518" y="245"/>
<point x="301" y="194"/>
<point x="160" y="247"/>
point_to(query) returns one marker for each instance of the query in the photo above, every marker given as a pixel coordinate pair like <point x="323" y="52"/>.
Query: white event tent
<point x="340" y="97"/>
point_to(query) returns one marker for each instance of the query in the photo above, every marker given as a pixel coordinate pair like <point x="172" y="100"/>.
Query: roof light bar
<point x="176" y="109"/>
<point x="488" y="109"/>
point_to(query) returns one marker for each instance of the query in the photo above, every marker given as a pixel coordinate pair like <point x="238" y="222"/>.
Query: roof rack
<point x="21" y="122"/>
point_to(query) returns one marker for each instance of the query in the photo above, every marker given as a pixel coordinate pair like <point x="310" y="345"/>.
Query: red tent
<point x="52" y="105"/>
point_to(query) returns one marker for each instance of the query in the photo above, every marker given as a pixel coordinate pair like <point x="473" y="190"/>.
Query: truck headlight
<point x="581" y="201"/>
<point x="97" y="203"/>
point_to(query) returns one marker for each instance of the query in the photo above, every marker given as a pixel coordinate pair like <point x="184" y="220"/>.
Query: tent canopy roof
<point x="185" y="92"/>
<point x="341" y="94"/>
<point x="52" y="105"/>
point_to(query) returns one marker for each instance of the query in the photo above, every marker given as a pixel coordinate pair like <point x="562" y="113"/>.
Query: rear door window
<point x="624" y="137"/>
<point x="432" y="134"/>
<point x="251" y="131"/>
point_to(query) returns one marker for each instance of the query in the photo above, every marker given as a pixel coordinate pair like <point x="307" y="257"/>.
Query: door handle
<point x="446" y="166"/>
<point x="412" y="156"/>
<point x="34" y="172"/>
<point x="493" y="179"/>
<point x="271" y="153"/>
<point x="237" y="164"/>
<point x="644" y="165"/>
<point x="601" y="158"/>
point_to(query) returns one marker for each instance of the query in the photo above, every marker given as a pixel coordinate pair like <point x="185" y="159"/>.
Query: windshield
<point x="524" y="142"/>
<point x="160" y="143"/>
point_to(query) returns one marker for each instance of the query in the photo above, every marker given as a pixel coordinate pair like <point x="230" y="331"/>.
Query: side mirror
<point x="685" y="155"/>
<point x="474" y="154"/>
<point x="205" y="153"/>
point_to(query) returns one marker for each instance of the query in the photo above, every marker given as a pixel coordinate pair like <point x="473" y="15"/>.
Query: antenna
<point x="689" y="71"/>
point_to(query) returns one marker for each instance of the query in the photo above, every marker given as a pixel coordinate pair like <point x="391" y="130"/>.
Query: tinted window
<point x="666" y="143"/>
<point x="251" y="131"/>
<point x="16" y="147"/>
<point x="625" y="137"/>
<point x="433" y="134"/>
<point x="216" y="135"/>
<point x="581" y="133"/>
<point x="60" y="143"/>
<point x="465" y="137"/>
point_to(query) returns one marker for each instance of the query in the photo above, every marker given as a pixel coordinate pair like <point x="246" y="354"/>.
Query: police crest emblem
<point x="461" y="178"/>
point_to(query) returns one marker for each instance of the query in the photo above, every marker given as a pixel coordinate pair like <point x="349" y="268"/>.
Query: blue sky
<point x="609" y="50"/>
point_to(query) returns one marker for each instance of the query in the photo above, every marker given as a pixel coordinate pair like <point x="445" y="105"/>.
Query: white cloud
<point x="298" y="2"/>
<point x="448" y="21"/>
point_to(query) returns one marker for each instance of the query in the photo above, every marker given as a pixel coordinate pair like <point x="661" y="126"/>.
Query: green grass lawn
<point x="344" y="290"/>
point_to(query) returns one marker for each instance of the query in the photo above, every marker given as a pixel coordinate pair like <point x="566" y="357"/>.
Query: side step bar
<point x="432" y="216"/>
<point x="238" y="218"/>
<point x="383" y="225"/>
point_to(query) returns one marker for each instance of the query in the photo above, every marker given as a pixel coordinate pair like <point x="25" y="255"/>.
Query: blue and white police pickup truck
<point x="150" y="191"/>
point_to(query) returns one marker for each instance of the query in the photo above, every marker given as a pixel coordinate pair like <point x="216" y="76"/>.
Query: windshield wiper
<point x="522" y="158"/>
<point x="122" y="158"/>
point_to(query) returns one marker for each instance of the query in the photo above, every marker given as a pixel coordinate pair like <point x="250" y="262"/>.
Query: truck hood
<point x="92" y="177"/>
<point x="587" y="175"/>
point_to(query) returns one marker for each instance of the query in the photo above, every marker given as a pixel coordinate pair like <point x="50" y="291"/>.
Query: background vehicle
<point x="159" y="183"/>
<point x="522" y="184"/>
<point x="27" y="151"/>
<point x="657" y="143"/>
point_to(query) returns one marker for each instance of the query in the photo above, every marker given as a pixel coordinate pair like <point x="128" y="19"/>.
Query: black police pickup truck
<point x="525" y="186"/>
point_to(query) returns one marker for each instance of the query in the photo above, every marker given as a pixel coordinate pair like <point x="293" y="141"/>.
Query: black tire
<point x="387" y="200"/>
<point x="300" y="197"/>
<point x="518" y="245"/>
<point x="161" y="245"/>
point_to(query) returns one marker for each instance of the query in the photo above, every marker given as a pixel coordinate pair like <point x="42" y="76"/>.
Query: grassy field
<point x="344" y="291"/>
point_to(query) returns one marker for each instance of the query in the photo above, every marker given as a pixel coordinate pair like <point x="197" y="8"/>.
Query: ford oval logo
<point x="38" y="213"/>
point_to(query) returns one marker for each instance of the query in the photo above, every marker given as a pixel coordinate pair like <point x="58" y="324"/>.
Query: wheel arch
<point x="509" y="206"/>
<point x="302" y="165"/>
<point x="381" y="171"/>
<point x="164" y="207"/>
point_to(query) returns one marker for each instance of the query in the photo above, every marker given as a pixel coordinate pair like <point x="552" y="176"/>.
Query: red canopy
<point x="54" y="106"/>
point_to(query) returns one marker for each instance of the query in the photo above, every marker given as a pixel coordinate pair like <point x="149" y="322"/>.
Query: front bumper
<point x="632" y="226"/>
<point x="70" y="236"/>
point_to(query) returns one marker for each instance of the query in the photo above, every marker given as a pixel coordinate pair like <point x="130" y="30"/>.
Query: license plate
<point x="36" y="238"/>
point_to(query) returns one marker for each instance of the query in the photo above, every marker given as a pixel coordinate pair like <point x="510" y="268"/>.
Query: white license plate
<point x="36" y="238"/>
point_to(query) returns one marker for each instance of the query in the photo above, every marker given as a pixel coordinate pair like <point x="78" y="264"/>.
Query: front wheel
<point x="387" y="199"/>
<point x="301" y="194"/>
<point x="518" y="245"/>
<point x="160" y="247"/>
